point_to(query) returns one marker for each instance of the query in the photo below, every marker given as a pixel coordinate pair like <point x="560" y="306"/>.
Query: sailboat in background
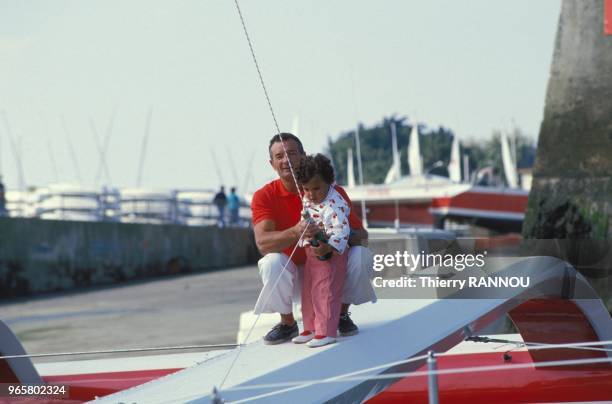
<point x="395" y="172"/>
<point x="422" y="199"/>
<point x="496" y="206"/>
<point x="508" y="162"/>
<point x="350" y="170"/>
<point x="402" y="200"/>
<point x="454" y="167"/>
<point x="415" y="162"/>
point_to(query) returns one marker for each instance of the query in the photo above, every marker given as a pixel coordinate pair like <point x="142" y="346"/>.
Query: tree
<point x="376" y="149"/>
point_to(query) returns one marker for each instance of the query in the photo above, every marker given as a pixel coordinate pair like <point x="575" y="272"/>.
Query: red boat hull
<point x="502" y="386"/>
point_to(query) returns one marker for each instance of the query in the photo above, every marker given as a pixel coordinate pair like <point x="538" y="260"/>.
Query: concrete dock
<point x="182" y="310"/>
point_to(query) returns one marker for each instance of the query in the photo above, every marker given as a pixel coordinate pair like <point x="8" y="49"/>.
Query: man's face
<point x="278" y="160"/>
<point x="316" y="189"/>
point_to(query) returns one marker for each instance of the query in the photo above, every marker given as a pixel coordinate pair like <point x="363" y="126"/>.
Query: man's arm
<point x="270" y="240"/>
<point x="358" y="237"/>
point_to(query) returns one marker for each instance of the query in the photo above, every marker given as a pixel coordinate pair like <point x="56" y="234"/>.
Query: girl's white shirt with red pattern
<point x="331" y="216"/>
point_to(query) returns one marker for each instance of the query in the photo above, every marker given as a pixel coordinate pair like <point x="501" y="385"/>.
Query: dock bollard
<point x="432" y="378"/>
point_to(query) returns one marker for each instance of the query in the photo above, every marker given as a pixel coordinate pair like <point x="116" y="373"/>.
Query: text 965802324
<point x="33" y="390"/>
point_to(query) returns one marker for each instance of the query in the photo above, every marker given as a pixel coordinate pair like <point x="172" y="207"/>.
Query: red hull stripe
<point x="484" y="202"/>
<point x="413" y="213"/>
<point x="86" y="387"/>
<point x="487" y="214"/>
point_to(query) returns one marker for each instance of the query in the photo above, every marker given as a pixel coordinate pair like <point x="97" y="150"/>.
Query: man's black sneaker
<point x="346" y="327"/>
<point x="281" y="333"/>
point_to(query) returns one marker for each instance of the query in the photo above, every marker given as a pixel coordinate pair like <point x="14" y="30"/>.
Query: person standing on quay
<point x="233" y="204"/>
<point x="220" y="202"/>
<point x="3" y="211"/>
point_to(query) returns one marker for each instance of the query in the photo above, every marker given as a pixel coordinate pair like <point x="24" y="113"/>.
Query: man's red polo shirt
<point x="274" y="202"/>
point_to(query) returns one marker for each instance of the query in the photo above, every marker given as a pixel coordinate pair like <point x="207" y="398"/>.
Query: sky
<point x="70" y="68"/>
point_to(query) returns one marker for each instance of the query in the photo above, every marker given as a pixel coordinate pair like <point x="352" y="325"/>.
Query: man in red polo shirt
<point x="278" y="225"/>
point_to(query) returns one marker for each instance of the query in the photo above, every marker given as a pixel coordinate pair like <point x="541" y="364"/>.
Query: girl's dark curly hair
<point x="315" y="165"/>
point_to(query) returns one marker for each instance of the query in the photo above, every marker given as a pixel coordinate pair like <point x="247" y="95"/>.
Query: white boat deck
<point x="390" y="330"/>
<point x="137" y="363"/>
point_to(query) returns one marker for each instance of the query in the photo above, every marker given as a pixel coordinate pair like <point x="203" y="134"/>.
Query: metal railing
<point x="192" y="207"/>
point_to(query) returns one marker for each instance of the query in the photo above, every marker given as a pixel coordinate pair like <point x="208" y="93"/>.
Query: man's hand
<point x="358" y="237"/>
<point x="270" y="240"/>
<point x="308" y="228"/>
<point x="322" y="249"/>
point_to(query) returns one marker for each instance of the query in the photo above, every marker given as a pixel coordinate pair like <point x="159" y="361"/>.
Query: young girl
<point x="323" y="275"/>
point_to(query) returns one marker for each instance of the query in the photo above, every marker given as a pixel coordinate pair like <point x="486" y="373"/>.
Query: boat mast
<point x="350" y="171"/>
<point x="232" y="166"/>
<point x="45" y="128"/>
<point x="360" y="171"/>
<point x="143" y="147"/>
<point x="16" y="152"/>
<point x="214" y="160"/>
<point x="395" y="172"/>
<point x="107" y="136"/>
<point x="454" y="166"/>
<point x="509" y="166"/>
<point x="295" y="126"/>
<point x="248" y="174"/>
<point x="414" y="152"/>
<point x="466" y="168"/>
<point x="75" y="162"/>
<point x="100" y="147"/>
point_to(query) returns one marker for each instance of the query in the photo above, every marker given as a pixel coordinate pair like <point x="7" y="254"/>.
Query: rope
<point x="261" y="80"/>
<point x="448" y="371"/>
<point x="126" y="350"/>
<point x="263" y="85"/>
<point x="265" y="90"/>
<point x="259" y="315"/>
<point x="269" y="102"/>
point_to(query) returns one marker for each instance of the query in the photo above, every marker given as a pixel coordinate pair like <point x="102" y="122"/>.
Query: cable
<point x="261" y="80"/>
<point x="538" y="346"/>
<point x="337" y="379"/>
<point x="259" y="315"/>
<point x="263" y="85"/>
<point x="127" y="350"/>
<point x="265" y="90"/>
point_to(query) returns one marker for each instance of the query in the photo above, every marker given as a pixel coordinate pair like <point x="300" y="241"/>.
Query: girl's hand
<point x="322" y="249"/>
<point x="307" y="228"/>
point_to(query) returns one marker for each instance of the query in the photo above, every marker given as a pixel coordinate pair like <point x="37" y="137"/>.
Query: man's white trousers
<point x="279" y="298"/>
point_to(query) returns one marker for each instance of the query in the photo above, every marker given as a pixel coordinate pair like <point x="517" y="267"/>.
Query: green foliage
<point x="487" y="153"/>
<point x="376" y="149"/>
<point x="598" y="221"/>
